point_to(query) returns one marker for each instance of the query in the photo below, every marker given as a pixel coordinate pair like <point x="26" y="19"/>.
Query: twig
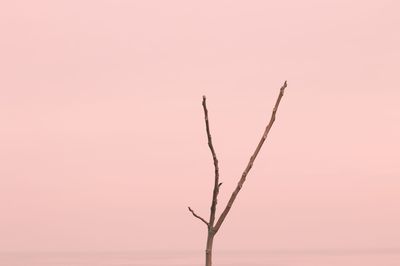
<point x="197" y="216"/>
<point x="250" y="164"/>
<point x="216" y="169"/>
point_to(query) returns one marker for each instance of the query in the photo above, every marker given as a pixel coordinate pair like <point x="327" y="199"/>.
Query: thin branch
<point x="250" y="164"/>
<point x="197" y="216"/>
<point x="216" y="169"/>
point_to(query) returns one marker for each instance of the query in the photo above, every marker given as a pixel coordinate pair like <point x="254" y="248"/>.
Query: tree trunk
<point x="210" y="240"/>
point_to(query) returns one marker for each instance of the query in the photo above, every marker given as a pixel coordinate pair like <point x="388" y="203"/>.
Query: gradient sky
<point x="102" y="139"/>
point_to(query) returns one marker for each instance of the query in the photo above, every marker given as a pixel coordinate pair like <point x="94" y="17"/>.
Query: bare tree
<point x="213" y="227"/>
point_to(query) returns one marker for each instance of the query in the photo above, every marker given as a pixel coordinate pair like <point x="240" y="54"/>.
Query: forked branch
<point x="213" y="228"/>
<point x="213" y="208"/>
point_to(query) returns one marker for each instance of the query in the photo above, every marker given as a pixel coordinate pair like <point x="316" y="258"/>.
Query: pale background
<point x="102" y="140"/>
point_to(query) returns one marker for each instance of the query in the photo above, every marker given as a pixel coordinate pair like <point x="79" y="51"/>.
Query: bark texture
<point x="209" y="246"/>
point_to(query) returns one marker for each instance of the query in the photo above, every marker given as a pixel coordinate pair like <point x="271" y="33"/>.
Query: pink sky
<point x="102" y="140"/>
